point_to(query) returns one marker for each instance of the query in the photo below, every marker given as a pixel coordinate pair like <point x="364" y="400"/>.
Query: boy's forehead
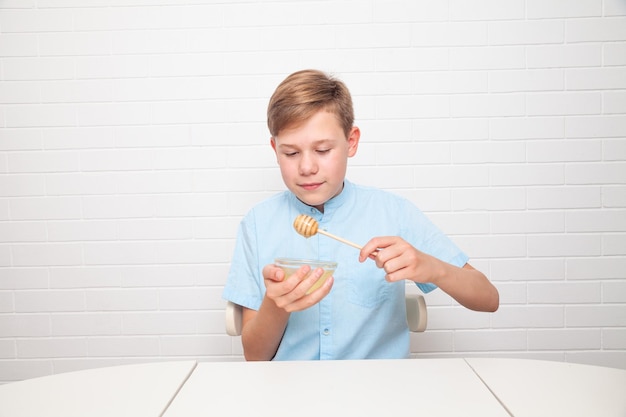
<point x="297" y="139"/>
<point x="321" y="120"/>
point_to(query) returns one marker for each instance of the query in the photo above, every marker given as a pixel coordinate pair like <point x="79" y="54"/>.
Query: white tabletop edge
<point x="141" y="389"/>
<point x="436" y="387"/>
<point x="488" y="388"/>
<point x="182" y="384"/>
<point x="535" y="387"/>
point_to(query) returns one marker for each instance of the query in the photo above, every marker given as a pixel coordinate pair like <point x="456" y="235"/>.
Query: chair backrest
<point x="416" y="315"/>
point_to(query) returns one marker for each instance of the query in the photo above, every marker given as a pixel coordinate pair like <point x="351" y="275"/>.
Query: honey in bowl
<point x="290" y="266"/>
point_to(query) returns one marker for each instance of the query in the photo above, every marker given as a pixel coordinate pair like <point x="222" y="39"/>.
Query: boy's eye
<point x="294" y="153"/>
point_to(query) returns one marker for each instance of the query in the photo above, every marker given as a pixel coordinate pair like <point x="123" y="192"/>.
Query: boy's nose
<point x="308" y="164"/>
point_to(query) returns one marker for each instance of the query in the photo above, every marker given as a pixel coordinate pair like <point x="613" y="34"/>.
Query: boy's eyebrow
<point x="322" y="141"/>
<point x="285" y="145"/>
<point x="314" y="143"/>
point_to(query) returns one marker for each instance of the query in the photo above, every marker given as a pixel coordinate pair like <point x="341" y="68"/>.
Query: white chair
<point x="416" y="315"/>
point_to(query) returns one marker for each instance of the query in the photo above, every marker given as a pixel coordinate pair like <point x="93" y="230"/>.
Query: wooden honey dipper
<point x="307" y="226"/>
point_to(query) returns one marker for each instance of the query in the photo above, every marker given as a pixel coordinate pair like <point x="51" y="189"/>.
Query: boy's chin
<point x="313" y="202"/>
<point x="315" y="199"/>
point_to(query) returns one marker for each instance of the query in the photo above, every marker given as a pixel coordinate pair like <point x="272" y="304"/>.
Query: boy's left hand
<point x="400" y="260"/>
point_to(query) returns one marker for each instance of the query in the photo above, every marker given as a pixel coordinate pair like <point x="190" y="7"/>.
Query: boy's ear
<point x="273" y="144"/>
<point x="353" y="141"/>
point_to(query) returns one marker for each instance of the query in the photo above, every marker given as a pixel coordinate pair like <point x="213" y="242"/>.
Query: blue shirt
<point x="363" y="317"/>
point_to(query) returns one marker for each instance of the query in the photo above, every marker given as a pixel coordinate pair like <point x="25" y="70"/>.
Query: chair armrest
<point x="416" y="312"/>
<point x="233" y="318"/>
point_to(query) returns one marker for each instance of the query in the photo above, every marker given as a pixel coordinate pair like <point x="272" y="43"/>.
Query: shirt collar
<point x="330" y="206"/>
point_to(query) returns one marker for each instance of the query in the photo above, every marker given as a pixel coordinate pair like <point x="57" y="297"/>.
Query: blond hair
<point x="303" y="94"/>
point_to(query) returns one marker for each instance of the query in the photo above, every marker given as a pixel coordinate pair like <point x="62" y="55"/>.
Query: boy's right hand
<point x="290" y="294"/>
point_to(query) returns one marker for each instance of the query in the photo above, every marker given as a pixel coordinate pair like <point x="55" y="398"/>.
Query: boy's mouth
<point x="311" y="186"/>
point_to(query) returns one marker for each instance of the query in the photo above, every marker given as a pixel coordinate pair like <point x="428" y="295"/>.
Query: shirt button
<point x="326" y="332"/>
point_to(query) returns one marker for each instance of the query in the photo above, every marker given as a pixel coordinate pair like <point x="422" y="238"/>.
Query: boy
<point x="310" y="119"/>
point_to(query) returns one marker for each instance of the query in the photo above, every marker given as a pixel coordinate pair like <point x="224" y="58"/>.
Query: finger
<point x="296" y="285"/>
<point x="278" y="285"/>
<point x="274" y="273"/>
<point x="395" y="254"/>
<point x="301" y="290"/>
<point x="313" y="298"/>
<point x="309" y="281"/>
<point x="294" y="278"/>
<point x="375" y="246"/>
<point x="396" y="275"/>
<point x="370" y="250"/>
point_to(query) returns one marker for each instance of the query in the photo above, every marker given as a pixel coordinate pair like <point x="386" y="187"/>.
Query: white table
<point x="129" y="390"/>
<point x="530" y="388"/>
<point x="430" y="387"/>
<point x="433" y="387"/>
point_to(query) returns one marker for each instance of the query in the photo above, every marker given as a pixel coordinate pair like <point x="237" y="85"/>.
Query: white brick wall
<point x="132" y="140"/>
